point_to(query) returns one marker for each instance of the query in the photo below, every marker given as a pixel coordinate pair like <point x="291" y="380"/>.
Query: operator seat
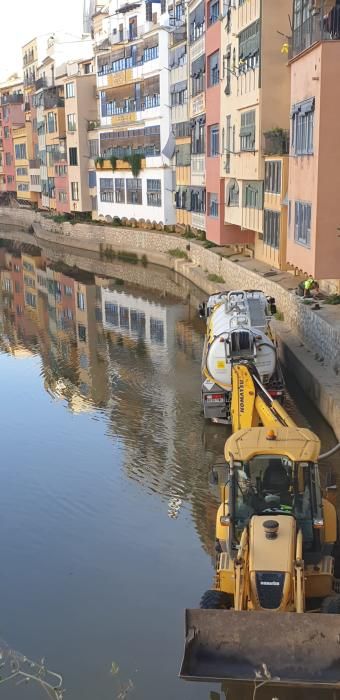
<point x="276" y="480"/>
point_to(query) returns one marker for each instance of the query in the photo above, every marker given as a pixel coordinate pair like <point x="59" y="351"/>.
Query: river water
<point x="107" y="520"/>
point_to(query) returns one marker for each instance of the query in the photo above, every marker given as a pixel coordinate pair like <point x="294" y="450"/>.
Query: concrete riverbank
<point x="309" y="341"/>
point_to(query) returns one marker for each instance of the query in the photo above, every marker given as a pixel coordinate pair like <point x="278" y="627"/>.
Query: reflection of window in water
<point x="84" y="389"/>
<point x="68" y="290"/>
<point x="65" y="350"/>
<point x="83" y="361"/>
<point x="98" y="314"/>
<point x="30" y="300"/>
<point x="124" y="317"/>
<point x="68" y="314"/>
<point x="137" y="319"/>
<point x="82" y="333"/>
<point x="111" y="313"/>
<point x="156" y="330"/>
<point x="81" y="301"/>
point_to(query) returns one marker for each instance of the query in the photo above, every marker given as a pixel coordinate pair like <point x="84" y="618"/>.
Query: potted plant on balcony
<point x="113" y="161"/>
<point x="99" y="162"/>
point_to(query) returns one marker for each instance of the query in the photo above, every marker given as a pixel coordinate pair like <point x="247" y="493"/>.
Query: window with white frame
<point x="302" y="223"/>
<point x="154" y="194"/>
<point x="272" y="178"/>
<point x="106" y="189"/>
<point x="71" y="122"/>
<point x="134" y="190"/>
<point x="214" y="141"/>
<point x="70" y="92"/>
<point x="119" y="190"/>
<point x="302" y="116"/>
<point x="75" y="191"/>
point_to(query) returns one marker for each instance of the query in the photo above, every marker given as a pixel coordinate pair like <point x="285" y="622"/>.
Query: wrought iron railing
<point x="323" y="24"/>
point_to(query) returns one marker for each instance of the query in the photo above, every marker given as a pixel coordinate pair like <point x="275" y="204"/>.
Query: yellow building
<point x="254" y="119"/>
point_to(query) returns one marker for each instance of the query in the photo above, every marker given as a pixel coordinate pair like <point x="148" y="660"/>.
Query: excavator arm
<point x="251" y="405"/>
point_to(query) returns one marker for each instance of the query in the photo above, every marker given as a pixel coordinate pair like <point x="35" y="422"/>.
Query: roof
<point x="298" y="444"/>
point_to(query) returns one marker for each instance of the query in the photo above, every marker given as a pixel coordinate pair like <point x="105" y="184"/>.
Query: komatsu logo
<point x="241" y="395"/>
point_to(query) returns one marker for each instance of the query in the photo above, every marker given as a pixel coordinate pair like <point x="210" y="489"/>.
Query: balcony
<point x="41" y="83"/>
<point x="15" y="99"/>
<point x="276" y="142"/>
<point x="112" y="109"/>
<point x="120" y="164"/>
<point x="323" y="24"/>
<point x="34" y="164"/>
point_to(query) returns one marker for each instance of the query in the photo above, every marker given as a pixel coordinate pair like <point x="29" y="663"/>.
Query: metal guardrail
<point x="323" y="24"/>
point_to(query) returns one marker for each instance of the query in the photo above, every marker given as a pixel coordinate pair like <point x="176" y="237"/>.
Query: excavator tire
<point x="216" y="600"/>
<point x="331" y="605"/>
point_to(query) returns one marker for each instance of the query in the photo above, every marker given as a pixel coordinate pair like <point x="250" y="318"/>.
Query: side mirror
<point x="273" y="309"/>
<point x="202" y="310"/>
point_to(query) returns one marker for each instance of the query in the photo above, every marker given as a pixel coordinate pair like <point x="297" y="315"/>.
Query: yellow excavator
<point x="277" y="551"/>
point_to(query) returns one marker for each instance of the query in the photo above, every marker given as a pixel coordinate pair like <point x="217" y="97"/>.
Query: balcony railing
<point x="15" y="99"/>
<point x="323" y="24"/>
<point x="41" y="83"/>
<point x="276" y="142"/>
<point x="111" y="109"/>
<point x="121" y="153"/>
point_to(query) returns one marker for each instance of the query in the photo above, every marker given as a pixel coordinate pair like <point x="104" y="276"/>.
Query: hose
<point x="330" y="452"/>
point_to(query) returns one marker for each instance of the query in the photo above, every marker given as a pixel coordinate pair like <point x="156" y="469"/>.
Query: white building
<point x="135" y="115"/>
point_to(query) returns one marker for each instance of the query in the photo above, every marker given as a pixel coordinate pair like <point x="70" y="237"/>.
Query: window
<point x="214" y="70"/>
<point x="124" y="320"/>
<point x="73" y="156"/>
<point x="75" y="191"/>
<point x="70" y="90"/>
<point x="154" y="195"/>
<point x="183" y="154"/>
<point x="213" y="204"/>
<point x="22" y="171"/>
<point x="197" y="200"/>
<point x="82" y="333"/>
<point x="303" y="215"/>
<point x="35" y="180"/>
<point x="271" y="228"/>
<point x="51" y="122"/>
<point x="30" y="300"/>
<point x="134" y="191"/>
<point x="106" y="189"/>
<point x="247" y="133"/>
<point x="87" y="68"/>
<point x="20" y="151"/>
<point x="232" y="194"/>
<point x="228" y="144"/>
<point x="213" y="11"/>
<point x="111" y="313"/>
<point x="68" y="291"/>
<point x="214" y="146"/>
<point x="61" y="170"/>
<point x="62" y="196"/>
<point x="71" y="122"/>
<point x="23" y="187"/>
<point x="8" y="159"/>
<point x="119" y="190"/>
<point x="196" y="23"/>
<point x="81" y="301"/>
<point x="272" y="178"/>
<point x="303" y="127"/>
<point x="10" y="179"/>
<point x="150" y="53"/>
<point x="7" y="133"/>
<point x="92" y="178"/>
<point x="249" y="47"/>
<point x="93" y="147"/>
<point x="179" y="94"/>
<point x="198" y="76"/>
<point x="253" y="195"/>
<point x="182" y="129"/>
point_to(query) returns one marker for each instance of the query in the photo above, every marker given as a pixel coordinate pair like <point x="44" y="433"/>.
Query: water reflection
<point x="127" y="357"/>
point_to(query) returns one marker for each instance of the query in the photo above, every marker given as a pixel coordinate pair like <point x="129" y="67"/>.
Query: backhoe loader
<point x="276" y="552"/>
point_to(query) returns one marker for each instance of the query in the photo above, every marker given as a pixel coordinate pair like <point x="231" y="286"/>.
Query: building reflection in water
<point x="130" y="354"/>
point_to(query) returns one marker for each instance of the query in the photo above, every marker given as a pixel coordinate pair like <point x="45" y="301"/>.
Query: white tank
<point x="238" y="329"/>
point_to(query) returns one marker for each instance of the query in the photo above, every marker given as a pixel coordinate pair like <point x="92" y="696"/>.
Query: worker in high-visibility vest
<point x="309" y="287"/>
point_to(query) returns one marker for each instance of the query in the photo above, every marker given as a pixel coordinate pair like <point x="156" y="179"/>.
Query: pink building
<point x="313" y="244"/>
<point x="12" y="116"/>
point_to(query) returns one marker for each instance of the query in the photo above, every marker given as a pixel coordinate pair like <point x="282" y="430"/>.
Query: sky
<point x="22" y="20"/>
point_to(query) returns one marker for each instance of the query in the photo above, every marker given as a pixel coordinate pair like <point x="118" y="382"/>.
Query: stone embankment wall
<point x="308" y="344"/>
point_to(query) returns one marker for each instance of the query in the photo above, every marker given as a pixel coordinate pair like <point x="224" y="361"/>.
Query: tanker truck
<point x="238" y="329"/>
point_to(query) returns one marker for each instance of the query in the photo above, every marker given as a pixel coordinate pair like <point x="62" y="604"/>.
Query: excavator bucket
<point x="282" y="647"/>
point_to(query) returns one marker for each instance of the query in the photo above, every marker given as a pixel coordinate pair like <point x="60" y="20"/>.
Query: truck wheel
<point x="331" y="605"/>
<point x="216" y="600"/>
